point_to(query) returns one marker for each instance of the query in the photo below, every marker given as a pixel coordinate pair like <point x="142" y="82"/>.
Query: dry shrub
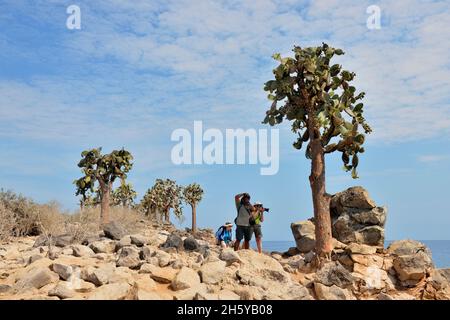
<point x="21" y="216"/>
<point x="7" y="223"/>
<point x="86" y="223"/>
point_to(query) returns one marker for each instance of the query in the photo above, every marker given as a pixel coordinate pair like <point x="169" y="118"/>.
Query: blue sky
<point x="137" y="70"/>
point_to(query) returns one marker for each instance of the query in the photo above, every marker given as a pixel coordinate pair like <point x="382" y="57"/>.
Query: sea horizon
<point x="440" y="249"/>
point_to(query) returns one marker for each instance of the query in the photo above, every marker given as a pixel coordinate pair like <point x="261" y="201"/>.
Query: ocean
<point x="440" y="249"/>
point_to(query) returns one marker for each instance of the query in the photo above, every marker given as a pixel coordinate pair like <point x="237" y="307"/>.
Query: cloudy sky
<point x="137" y="70"/>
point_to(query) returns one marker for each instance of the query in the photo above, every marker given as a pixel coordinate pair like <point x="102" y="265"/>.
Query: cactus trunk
<point x="104" y="208"/>
<point x="167" y="215"/>
<point x="194" y="218"/>
<point x="321" y="201"/>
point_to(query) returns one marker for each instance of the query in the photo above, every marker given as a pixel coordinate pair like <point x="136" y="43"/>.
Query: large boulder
<point x="113" y="230"/>
<point x="212" y="272"/>
<point x="413" y="267"/>
<point x="104" y="246"/>
<point x="411" y="261"/>
<point x="36" y="278"/>
<point x="190" y="244"/>
<point x="173" y="241"/>
<point x="333" y="292"/>
<point x="113" y="291"/>
<point x="304" y="235"/>
<point x="62" y="270"/>
<point x="185" y="279"/>
<point x="333" y="273"/>
<point x="356" y="218"/>
<point x="82" y="251"/>
<point x="128" y="257"/>
<point x="407" y="247"/>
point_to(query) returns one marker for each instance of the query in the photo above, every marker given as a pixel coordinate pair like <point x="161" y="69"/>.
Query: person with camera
<point x="255" y="222"/>
<point x="242" y="221"/>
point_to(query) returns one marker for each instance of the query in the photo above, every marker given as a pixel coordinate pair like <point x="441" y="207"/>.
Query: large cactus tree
<point x="104" y="169"/>
<point x="124" y="195"/>
<point x="326" y="114"/>
<point x="163" y="196"/>
<point x="192" y="195"/>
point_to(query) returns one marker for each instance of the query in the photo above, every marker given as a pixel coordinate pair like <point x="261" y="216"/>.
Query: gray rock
<point x="146" y="253"/>
<point x="412" y="267"/>
<point x="36" y="278"/>
<point x="4" y="288"/>
<point x="407" y="247"/>
<point x="113" y="230"/>
<point x="353" y="197"/>
<point x="229" y="256"/>
<point x="113" y="291"/>
<point x="333" y="273"/>
<point x="333" y="292"/>
<point x="163" y="258"/>
<point x="98" y="276"/>
<point x="185" y="279"/>
<point x="82" y="251"/>
<point x="190" y="244"/>
<point x="62" y="270"/>
<point x="173" y="241"/>
<point x="123" y="242"/>
<point x="212" y="272"/>
<point x="304" y="235"/>
<point x="103" y="246"/>
<point x="57" y="241"/>
<point x="139" y="240"/>
<point x="62" y="291"/>
<point x="128" y="257"/>
<point x="356" y="218"/>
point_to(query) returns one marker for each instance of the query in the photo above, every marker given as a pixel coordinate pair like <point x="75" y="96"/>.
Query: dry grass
<point x="21" y="216"/>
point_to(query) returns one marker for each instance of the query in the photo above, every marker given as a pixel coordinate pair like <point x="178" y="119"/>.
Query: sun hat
<point x="257" y="203"/>
<point x="228" y="224"/>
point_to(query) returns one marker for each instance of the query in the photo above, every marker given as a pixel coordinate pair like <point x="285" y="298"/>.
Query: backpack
<point x="219" y="232"/>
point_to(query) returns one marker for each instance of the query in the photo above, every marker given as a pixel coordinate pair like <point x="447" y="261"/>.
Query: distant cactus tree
<point x="162" y="197"/>
<point x="90" y="199"/>
<point x="326" y="114"/>
<point x="104" y="169"/>
<point x="124" y="195"/>
<point x="192" y="194"/>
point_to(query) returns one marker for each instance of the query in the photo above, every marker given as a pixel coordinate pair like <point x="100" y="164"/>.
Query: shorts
<point x="244" y="232"/>
<point x="257" y="230"/>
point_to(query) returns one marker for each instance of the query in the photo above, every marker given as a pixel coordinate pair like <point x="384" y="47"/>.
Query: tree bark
<point x="105" y="198"/>
<point x="321" y="201"/>
<point x="167" y="215"/>
<point x="194" y="218"/>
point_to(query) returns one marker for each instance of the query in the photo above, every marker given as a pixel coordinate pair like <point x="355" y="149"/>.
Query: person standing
<point x="255" y="222"/>
<point x="242" y="221"/>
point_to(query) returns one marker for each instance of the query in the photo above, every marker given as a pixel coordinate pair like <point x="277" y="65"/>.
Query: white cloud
<point x="429" y="158"/>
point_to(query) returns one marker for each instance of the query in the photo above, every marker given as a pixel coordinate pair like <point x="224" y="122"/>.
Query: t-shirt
<point x="258" y="218"/>
<point x="243" y="215"/>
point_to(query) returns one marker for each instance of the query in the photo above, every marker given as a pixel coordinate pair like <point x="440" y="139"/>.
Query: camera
<point x="266" y="209"/>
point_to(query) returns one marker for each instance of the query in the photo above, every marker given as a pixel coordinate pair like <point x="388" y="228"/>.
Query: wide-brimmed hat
<point x="257" y="203"/>
<point x="228" y="224"/>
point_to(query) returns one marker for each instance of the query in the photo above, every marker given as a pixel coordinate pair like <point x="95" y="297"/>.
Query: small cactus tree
<point x="124" y="195"/>
<point x="90" y="199"/>
<point x="322" y="105"/>
<point x="192" y="195"/>
<point x="163" y="196"/>
<point x="104" y="169"/>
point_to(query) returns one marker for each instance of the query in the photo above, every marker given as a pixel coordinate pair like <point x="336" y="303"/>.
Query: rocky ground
<point x="165" y="263"/>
